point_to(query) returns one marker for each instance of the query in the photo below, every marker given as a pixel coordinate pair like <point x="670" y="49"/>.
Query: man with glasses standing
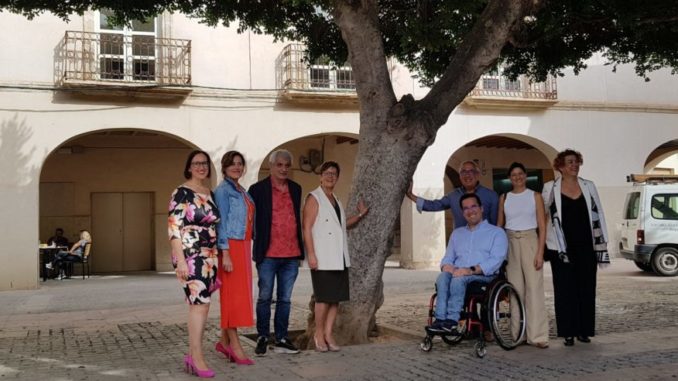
<point x="475" y="252"/>
<point x="277" y="249"/>
<point x="469" y="174"/>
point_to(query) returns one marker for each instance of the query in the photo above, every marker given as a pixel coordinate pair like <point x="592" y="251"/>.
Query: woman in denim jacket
<point x="234" y="241"/>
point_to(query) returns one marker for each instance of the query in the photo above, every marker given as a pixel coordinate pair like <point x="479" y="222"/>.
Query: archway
<point x="494" y="154"/>
<point x="663" y="160"/>
<point x="310" y="151"/>
<point x="115" y="183"/>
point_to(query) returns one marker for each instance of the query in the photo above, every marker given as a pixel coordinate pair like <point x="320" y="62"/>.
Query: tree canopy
<point x="425" y="34"/>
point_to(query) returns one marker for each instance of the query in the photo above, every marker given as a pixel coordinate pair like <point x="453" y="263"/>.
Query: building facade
<point x="96" y="122"/>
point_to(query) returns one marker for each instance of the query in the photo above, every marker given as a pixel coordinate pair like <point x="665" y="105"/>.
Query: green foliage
<point x="566" y="32"/>
<point x="424" y="34"/>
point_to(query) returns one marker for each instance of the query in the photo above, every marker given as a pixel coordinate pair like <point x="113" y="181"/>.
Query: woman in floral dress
<point x="192" y="221"/>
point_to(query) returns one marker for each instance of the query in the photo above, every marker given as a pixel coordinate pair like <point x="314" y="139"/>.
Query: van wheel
<point x="665" y="261"/>
<point x="644" y="266"/>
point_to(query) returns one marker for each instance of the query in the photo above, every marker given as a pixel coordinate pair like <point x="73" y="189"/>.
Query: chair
<point x="84" y="261"/>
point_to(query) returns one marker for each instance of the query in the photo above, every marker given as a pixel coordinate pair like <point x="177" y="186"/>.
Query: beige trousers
<point x="528" y="282"/>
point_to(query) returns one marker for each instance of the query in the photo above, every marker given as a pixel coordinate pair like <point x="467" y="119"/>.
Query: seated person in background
<point x="475" y="252"/>
<point x="75" y="254"/>
<point x="58" y="238"/>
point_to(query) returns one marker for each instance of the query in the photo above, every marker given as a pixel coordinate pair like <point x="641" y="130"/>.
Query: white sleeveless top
<point x="520" y="211"/>
<point x="330" y="241"/>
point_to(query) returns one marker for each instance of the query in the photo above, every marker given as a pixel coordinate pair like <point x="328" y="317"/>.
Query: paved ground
<point x="132" y="327"/>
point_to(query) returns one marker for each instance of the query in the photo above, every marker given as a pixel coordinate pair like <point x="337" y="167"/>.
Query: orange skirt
<point x="235" y="294"/>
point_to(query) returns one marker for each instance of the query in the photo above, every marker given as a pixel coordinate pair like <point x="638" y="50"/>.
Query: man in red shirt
<point x="277" y="249"/>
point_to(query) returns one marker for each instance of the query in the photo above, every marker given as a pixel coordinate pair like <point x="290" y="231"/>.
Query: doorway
<point x="122" y="231"/>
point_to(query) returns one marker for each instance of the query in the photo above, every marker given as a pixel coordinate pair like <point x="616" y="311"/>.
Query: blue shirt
<point x="488" y="198"/>
<point x="486" y="245"/>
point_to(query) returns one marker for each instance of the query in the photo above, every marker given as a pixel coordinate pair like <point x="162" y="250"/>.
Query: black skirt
<point x="330" y="286"/>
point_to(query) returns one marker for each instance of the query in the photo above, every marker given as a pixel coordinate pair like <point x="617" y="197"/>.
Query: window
<point x="490" y="83"/>
<point x="665" y="206"/>
<point x="324" y="75"/>
<point x="320" y="76"/>
<point x="126" y="53"/>
<point x="632" y="206"/>
<point x="345" y="78"/>
<point x="512" y="85"/>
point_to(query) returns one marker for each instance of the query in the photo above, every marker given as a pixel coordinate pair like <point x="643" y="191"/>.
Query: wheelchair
<point x="495" y="305"/>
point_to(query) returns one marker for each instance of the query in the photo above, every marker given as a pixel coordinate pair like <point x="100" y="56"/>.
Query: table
<point x="47" y="254"/>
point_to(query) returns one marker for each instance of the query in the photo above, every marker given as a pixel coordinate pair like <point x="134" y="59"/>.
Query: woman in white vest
<point x="324" y="226"/>
<point x="521" y="213"/>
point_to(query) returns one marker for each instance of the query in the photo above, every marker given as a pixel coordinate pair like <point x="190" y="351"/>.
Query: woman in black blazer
<point x="576" y="239"/>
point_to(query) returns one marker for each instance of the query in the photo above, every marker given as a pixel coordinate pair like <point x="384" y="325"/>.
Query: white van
<point x="649" y="231"/>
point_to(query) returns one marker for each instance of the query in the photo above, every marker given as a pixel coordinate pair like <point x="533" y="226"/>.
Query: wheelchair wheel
<point x="506" y="315"/>
<point x="426" y="344"/>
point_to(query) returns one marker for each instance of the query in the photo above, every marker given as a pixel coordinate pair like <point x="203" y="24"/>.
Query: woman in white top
<point x="324" y="224"/>
<point x="522" y="214"/>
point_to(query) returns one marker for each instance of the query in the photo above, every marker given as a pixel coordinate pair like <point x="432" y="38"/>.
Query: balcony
<point x="498" y="91"/>
<point x="113" y="63"/>
<point x="296" y="80"/>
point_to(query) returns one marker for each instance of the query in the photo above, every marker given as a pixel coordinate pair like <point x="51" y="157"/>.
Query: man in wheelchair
<point x="475" y="252"/>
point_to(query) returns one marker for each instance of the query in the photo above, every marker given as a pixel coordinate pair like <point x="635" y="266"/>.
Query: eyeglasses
<point x="468" y="172"/>
<point x="198" y="164"/>
<point x="469" y="208"/>
<point x="330" y="174"/>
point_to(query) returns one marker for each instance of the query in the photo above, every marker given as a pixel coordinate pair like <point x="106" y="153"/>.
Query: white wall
<point x="29" y="136"/>
<point x="615" y="120"/>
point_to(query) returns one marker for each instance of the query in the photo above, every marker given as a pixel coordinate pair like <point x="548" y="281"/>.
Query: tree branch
<point x="359" y="25"/>
<point x="479" y="50"/>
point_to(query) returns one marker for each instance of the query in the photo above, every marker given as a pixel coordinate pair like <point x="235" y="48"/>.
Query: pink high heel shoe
<point x="190" y="368"/>
<point x="231" y="356"/>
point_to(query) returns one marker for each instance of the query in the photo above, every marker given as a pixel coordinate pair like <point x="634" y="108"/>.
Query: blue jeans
<point x="283" y="272"/>
<point x="451" y="293"/>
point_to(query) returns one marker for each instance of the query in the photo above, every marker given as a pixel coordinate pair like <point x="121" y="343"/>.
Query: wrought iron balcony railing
<point x="295" y="78"/>
<point x="522" y="88"/>
<point x="123" y="59"/>
<point x="292" y="73"/>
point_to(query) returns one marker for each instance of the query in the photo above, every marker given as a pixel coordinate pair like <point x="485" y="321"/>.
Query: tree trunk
<point x="387" y="159"/>
<point x="393" y="138"/>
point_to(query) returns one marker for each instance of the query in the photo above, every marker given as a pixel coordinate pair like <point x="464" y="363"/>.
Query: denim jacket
<point x="233" y="210"/>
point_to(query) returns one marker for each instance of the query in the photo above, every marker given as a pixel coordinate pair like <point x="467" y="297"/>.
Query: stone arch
<point x="493" y="154"/>
<point x="663" y="159"/>
<point x="116" y="183"/>
<point x="341" y="147"/>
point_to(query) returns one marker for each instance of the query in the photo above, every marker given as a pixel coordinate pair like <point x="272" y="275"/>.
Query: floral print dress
<point x="193" y="219"/>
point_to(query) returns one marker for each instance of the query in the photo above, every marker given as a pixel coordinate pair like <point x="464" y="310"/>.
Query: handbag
<point x="549" y="254"/>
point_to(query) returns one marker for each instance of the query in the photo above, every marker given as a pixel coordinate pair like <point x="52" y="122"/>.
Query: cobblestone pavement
<point x="132" y="327"/>
<point x="628" y="299"/>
